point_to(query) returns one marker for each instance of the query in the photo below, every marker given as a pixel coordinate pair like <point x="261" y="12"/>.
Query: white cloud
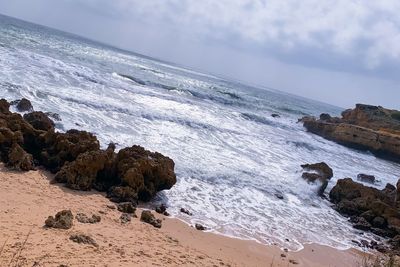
<point x="367" y="29"/>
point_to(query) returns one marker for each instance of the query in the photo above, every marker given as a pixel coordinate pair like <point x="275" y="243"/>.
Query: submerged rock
<point x="200" y="227"/>
<point x="366" y="127"/>
<point x="149" y="218"/>
<point x="62" y="220"/>
<point x="183" y="210"/>
<point x="366" y="178"/>
<point x="162" y="209"/>
<point x="320" y="171"/>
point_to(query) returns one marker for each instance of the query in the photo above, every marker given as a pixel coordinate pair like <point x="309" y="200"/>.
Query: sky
<point x="340" y="52"/>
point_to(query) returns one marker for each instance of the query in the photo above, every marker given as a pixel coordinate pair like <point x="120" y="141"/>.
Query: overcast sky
<point x="337" y="51"/>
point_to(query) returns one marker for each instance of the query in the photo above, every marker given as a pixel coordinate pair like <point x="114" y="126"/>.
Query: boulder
<point x="39" y="121"/>
<point x="366" y="127"/>
<point x="19" y="159"/>
<point x="125" y="218"/>
<point x="187" y="212"/>
<point x="149" y="218"/>
<point x="200" y="227"/>
<point x="162" y="209"/>
<point x="366" y="178"/>
<point x="122" y="194"/>
<point x="23" y="105"/>
<point x="319" y="171"/>
<point x="62" y="220"/>
<point x="126" y="207"/>
<point x="4" y="106"/>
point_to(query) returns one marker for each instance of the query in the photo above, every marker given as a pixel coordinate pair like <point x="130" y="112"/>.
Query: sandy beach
<point x="27" y="199"/>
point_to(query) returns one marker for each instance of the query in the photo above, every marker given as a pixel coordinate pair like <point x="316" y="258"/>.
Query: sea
<point x="238" y="167"/>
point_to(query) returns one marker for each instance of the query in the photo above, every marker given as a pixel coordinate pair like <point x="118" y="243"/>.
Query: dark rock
<point x="200" y="227"/>
<point x="361" y="224"/>
<point x="183" y="210"/>
<point x="279" y="196"/>
<point x="149" y="218"/>
<point x="122" y="194"/>
<point x="325" y="117"/>
<point x="39" y="121"/>
<point x="54" y="116"/>
<point x="126" y="207"/>
<point x="125" y="218"/>
<point x="19" y="160"/>
<point x="23" y="105"/>
<point x="366" y="178"/>
<point x="162" y="209"/>
<point x="4" y="106"/>
<point x="83" y="239"/>
<point x="274" y="115"/>
<point x="83" y="218"/>
<point x="111" y="207"/>
<point x="62" y="220"/>
<point x="379" y="222"/>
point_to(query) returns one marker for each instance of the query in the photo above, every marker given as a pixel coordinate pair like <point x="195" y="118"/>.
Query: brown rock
<point x="320" y="171"/>
<point x="149" y="218"/>
<point x="62" y="220"/>
<point x="19" y="160"/>
<point x="126" y="207"/>
<point x="39" y="120"/>
<point x="23" y="105"/>
<point x="83" y="218"/>
<point x="83" y="239"/>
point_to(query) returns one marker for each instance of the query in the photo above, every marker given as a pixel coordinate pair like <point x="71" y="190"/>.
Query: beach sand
<point x="27" y="199"/>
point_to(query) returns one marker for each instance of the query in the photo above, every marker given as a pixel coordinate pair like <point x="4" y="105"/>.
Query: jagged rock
<point x="62" y="220"/>
<point x="4" y="106"/>
<point x="39" y="120"/>
<point x="366" y="127"/>
<point x="366" y="178"/>
<point x="371" y="209"/>
<point x="83" y="239"/>
<point x="54" y="116"/>
<point x="81" y="173"/>
<point x="83" y="218"/>
<point x="125" y="218"/>
<point x="144" y="171"/>
<point x="126" y="207"/>
<point x="23" y="105"/>
<point x="321" y="172"/>
<point x="19" y="160"/>
<point x="149" y="218"/>
<point x="183" y="210"/>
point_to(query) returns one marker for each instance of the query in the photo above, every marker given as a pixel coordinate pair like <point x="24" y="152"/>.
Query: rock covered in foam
<point x="318" y="171"/>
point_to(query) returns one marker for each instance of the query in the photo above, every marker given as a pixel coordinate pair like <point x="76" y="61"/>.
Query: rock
<point x="83" y="239"/>
<point x="111" y="207"/>
<point x="4" y="106"/>
<point x="366" y="127"/>
<point x="83" y="218"/>
<point x="122" y="194"/>
<point x="81" y="174"/>
<point x="19" y="160"/>
<point x="125" y="218"/>
<point x="149" y="218"/>
<point x="379" y="222"/>
<point x="23" y="105"/>
<point x="366" y="178"/>
<point x="183" y="210"/>
<point x="144" y="171"/>
<point x="274" y="115"/>
<point x="360" y="223"/>
<point x="62" y="220"/>
<point x="39" y="120"/>
<point x="126" y="207"/>
<point x="320" y="171"/>
<point x="54" y="116"/>
<point x="162" y="209"/>
<point x="200" y="227"/>
<point x="325" y="117"/>
<point x="279" y="196"/>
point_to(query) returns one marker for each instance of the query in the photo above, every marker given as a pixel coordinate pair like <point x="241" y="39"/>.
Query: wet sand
<point x="27" y="199"/>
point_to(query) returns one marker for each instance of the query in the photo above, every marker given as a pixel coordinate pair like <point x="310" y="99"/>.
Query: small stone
<point x="293" y="262"/>
<point x="83" y="218"/>
<point x="149" y="218"/>
<point x="200" y="227"/>
<point x="125" y="218"/>
<point x="283" y="255"/>
<point x="366" y="178"/>
<point x="183" y="210"/>
<point x="274" y="115"/>
<point x="111" y="207"/>
<point x="126" y="207"/>
<point x="83" y="239"/>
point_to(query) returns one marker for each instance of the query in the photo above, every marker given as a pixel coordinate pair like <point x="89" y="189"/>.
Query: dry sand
<point x="27" y="199"/>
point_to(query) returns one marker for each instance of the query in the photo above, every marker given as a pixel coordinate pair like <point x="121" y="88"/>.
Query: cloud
<point x="366" y="29"/>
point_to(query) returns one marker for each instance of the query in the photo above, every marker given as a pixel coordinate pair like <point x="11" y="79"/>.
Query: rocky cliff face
<point x="76" y="158"/>
<point x="366" y="127"/>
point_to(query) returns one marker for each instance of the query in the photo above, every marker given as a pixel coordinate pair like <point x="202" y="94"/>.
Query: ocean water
<point x="232" y="157"/>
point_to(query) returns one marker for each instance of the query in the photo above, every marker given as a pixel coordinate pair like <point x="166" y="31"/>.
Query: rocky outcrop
<point x="369" y="209"/>
<point x="62" y="220"/>
<point x="75" y="157"/>
<point x="318" y="171"/>
<point x="366" y="127"/>
<point x="23" y="105"/>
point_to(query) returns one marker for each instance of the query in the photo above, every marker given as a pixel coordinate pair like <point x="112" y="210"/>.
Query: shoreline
<point x="29" y="198"/>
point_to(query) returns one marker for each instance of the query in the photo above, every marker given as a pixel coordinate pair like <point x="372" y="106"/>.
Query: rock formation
<point x="366" y="127"/>
<point x="62" y="220"/>
<point x="75" y="157"/>
<point x="319" y="171"/>
<point x="149" y="218"/>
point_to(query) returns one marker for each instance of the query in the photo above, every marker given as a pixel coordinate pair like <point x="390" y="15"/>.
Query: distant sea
<point x="234" y="161"/>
